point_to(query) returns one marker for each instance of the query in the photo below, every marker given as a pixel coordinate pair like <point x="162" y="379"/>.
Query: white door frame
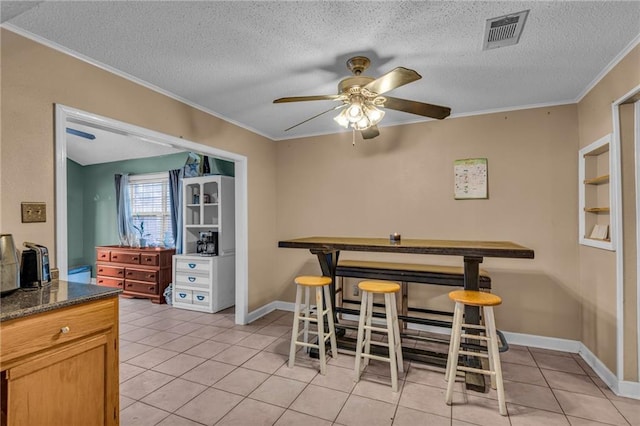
<point x="65" y="113"/>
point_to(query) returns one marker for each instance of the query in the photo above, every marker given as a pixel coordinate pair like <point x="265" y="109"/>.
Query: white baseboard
<point x="619" y="387"/>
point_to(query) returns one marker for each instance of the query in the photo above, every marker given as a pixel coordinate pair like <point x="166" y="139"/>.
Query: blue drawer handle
<point x="192" y="279"/>
<point x="182" y="295"/>
<point x="200" y="297"/>
<point x="192" y="265"/>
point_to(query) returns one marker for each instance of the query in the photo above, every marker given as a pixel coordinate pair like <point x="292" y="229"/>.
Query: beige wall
<point x="597" y="267"/>
<point x="35" y="77"/>
<point x="402" y="182"/>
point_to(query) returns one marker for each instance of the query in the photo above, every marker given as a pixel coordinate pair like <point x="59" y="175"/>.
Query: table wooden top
<point x="416" y="246"/>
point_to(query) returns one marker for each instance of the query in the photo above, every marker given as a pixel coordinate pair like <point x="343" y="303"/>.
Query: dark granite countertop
<point x="56" y="295"/>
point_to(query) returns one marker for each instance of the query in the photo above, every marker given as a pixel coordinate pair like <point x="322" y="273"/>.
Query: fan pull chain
<point x="353" y="137"/>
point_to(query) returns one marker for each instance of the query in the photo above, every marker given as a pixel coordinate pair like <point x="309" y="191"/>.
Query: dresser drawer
<point x="24" y="336"/>
<point x="192" y="279"/>
<point x="149" y="259"/>
<point x="103" y="255"/>
<point x="201" y="266"/>
<point x="110" y="282"/>
<point x="110" y="271"/>
<point x="124" y="257"/>
<point x="140" y="287"/>
<point x="183" y="296"/>
<point x="142" y="275"/>
<point x="201" y="297"/>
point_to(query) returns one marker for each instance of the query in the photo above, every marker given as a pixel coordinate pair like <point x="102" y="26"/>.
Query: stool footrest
<point x="476" y="370"/>
<point x="477" y="327"/>
<point x="376" y="357"/>
<point x="475" y="336"/>
<point x="307" y="345"/>
<point x="309" y="319"/>
<point x="372" y="328"/>
<point x="471" y="353"/>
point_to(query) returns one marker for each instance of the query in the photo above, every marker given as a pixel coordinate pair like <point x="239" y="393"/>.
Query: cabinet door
<point x="61" y="387"/>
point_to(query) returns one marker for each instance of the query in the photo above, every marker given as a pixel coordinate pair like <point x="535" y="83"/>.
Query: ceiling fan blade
<point x="309" y="98"/>
<point x="315" y="116"/>
<point x="418" y="108"/>
<point x="395" y="78"/>
<point x="370" y="132"/>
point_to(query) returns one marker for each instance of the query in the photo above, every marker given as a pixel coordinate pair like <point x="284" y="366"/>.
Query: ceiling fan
<point x="362" y="99"/>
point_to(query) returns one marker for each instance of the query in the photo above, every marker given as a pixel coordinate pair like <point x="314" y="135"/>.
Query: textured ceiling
<point x="234" y="58"/>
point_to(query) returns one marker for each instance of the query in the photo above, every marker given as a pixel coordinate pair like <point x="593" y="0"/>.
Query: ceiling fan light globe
<point x="362" y="124"/>
<point x="341" y="119"/>
<point x="374" y="114"/>
<point x="354" y="113"/>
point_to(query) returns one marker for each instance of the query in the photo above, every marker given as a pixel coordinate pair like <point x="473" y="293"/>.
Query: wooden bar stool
<point x="486" y="301"/>
<point x="307" y="315"/>
<point x="363" y="346"/>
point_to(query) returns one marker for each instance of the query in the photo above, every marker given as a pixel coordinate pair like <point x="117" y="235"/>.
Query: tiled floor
<point x="184" y="368"/>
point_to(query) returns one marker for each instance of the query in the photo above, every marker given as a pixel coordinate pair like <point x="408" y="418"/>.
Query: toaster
<point x="34" y="266"/>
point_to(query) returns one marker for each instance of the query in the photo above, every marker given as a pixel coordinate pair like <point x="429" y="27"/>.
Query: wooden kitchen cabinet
<point x="61" y="367"/>
<point x="140" y="272"/>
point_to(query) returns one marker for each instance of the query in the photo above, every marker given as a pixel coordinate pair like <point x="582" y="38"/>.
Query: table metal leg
<point x="473" y="381"/>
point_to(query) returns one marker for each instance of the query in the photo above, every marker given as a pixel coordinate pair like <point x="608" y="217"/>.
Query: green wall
<point x="91" y="204"/>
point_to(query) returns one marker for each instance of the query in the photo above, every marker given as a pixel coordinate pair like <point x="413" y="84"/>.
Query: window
<point x="151" y="205"/>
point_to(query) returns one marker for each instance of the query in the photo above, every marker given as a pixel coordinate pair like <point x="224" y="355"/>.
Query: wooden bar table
<point x="328" y="249"/>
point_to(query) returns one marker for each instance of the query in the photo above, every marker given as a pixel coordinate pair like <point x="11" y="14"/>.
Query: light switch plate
<point x="34" y="212"/>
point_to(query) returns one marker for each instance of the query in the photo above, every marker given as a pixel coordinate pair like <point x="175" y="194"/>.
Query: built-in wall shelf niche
<point x="597" y="204"/>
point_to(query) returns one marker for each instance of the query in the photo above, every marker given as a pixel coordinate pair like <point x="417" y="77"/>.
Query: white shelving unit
<point x="597" y="174"/>
<point x="206" y="283"/>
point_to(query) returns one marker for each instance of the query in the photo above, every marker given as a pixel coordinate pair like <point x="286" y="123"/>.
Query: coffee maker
<point x="34" y="268"/>
<point x="207" y="244"/>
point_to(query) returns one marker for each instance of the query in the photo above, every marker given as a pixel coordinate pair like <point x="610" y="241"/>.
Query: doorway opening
<point x="66" y="115"/>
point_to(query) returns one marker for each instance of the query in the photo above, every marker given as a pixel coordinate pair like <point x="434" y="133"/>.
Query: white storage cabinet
<point x="202" y="283"/>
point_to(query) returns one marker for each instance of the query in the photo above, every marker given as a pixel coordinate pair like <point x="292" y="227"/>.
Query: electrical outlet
<point x="34" y="212"/>
<point x="356" y="290"/>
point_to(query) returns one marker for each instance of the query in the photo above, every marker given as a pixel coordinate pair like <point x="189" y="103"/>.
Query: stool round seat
<point x="379" y="286"/>
<point x="312" y="280"/>
<point x="475" y="298"/>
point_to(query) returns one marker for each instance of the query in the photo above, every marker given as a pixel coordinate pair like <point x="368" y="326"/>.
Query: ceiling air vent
<point x="504" y="30"/>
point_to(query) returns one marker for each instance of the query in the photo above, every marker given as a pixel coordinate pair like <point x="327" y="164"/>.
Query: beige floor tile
<point x="410" y="417"/>
<point x="159" y="339"/>
<point x="480" y="411"/>
<point x="131" y="350"/>
<point x="125" y="402"/>
<point x="236" y="355"/>
<point x="364" y="411"/>
<point x="230" y="336"/>
<point x="630" y="409"/>
<point x="345" y="360"/>
<point x="152" y="358"/>
<point x="143" y="384"/>
<point x="241" y="381"/>
<point x="210" y="406"/>
<point x="128" y="317"/>
<point x="426" y="375"/>
<point x="138" y="334"/>
<point x="293" y="418"/>
<point x="320" y="402"/>
<point x="540" y="397"/>
<point x="209" y="372"/>
<point x="182" y="343"/>
<point x="140" y="414"/>
<point x="267" y="362"/>
<point x="557" y="362"/>
<point x="209" y="319"/>
<point x="128" y="371"/>
<point x="174" y="420"/>
<point x="143" y="321"/>
<point x="424" y="398"/>
<point x="301" y="372"/>
<point x="518" y="356"/>
<point x="279" y="346"/>
<point x="589" y="407"/>
<point x="276" y="330"/>
<point x="578" y="383"/>
<point x="527" y="416"/>
<point x="179" y="364"/>
<point x="207" y="349"/>
<point x="185" y="328"/>
<point x="551" y="352"/>
<point x="174" y="394"/>
<point x="125" y="328"/>
<point x="523" y="373"/>
<point x="576" y="421"/>
<point x="256" y="341"/>
<point x="587" y="369"/>
<point x="251" y="412"/>
<point x="378" y="388"/>
<point x="336" y="378"/>
<point x="164" y="324"/>
<point x="278" y="391"/>
<point x="207" y="331"/>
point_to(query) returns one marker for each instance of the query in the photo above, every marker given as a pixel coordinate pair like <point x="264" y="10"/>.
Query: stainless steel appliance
<point x="207" y="244"/>
<point x="34" y="267"/>
<point x="9" y="266"/>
